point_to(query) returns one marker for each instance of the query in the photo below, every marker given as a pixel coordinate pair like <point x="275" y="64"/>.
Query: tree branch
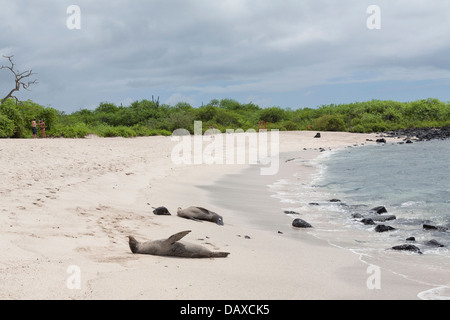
<point x="18" y="77"/>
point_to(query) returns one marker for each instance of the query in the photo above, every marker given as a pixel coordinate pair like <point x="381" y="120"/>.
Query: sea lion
<point x="161" y="211"/>
<point x="173" y="247"/>
<point x="199" y="213"/>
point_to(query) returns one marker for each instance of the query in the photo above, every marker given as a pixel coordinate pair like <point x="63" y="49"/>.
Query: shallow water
<point x="411" y="180"/>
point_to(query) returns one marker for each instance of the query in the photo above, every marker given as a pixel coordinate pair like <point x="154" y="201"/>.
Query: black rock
<point x="422" y="134"/>
<point x="411" y="239"/>
<point x="368" y="221"/>
<point x="380" y="209"/>
<point x="409" y="141"/>
<point x="431" y="227"/>
<point x="291" y="212"/>
<point x="407" y="247"/>
<point x="299" y="223"/>
<point x="383" y="228"/>
<point x="317" y="135"/>
<point x="382" y="140"/>
<point x="357" y="216"/>
<point x="313" y="204"/>
<point x="434" y="243"/>
<point x="161" y="211"/>
<point x="383" y="218"/>
<point x="335" y="200"/>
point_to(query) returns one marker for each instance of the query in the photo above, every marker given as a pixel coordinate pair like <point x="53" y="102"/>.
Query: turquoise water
<point x="411" y="180"/>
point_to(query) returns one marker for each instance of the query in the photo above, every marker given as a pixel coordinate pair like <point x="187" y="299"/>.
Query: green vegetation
<point x="147" y="118"/>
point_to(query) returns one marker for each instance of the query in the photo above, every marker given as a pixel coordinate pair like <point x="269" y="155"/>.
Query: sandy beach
<point x="68" y="206"/>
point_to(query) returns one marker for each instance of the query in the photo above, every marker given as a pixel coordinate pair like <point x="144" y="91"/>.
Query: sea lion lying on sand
<point x="161" y="211"/>
<point x="173" y="247"/>
<point x="199" y="213"/>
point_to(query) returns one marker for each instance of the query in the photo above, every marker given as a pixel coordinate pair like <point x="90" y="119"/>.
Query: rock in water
<point x="431" y="227"/>
<point x="383" y="228"/>
<point x="407" y="247"/>
<point x="368" y="221"/>
<point x="383" y="218"/>
<point x="380" y="209"/>
<point x="299" y="223"/>
<point x="291" y="212"/>
<point x="434" y="243"/>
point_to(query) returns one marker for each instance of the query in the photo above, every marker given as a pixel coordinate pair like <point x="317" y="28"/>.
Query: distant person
<point x="33" y="128"/>
<point x="42" y="125"/>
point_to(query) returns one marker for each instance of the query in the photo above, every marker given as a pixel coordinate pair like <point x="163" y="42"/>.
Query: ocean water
<point x="412" y="181"/>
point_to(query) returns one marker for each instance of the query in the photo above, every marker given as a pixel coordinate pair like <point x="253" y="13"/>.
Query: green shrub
<point x="179" y="120"/>
<point x="272" y="115"/>
<point x="6" y="127"/>
<point x="12" y="112"/>
<point x="291" y="125"/>
<point x="328" y="122"/>
<point x="119" y="131"/>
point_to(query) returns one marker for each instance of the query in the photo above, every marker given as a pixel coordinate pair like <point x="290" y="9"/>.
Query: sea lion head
<point x="219" y="220"/>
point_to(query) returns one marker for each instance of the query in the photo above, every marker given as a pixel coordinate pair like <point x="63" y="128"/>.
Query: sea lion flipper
<point x="205" y="211"/>
<point x="177" y="236"/>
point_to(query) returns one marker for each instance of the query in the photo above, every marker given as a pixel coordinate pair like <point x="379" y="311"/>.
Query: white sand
<point x="73" y="202"/>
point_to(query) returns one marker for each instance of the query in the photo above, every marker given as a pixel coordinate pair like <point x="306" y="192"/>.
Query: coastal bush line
<point x="147" y="118"/>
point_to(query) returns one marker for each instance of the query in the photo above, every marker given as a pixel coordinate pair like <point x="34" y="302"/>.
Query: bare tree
<point x="19" y="79"/>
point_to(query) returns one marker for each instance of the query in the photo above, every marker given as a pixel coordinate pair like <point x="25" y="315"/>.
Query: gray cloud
<point x="197" y="49"/>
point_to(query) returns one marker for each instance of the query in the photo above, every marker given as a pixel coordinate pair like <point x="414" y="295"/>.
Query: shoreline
<point x="428" y="272"/>
<point x="78" y="206"/>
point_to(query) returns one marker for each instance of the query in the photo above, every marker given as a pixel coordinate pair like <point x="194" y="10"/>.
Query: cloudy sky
<point x="287" y="53"/>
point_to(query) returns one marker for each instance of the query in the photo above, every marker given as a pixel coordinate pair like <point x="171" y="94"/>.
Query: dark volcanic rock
<point x="434" y="243"/>
<point x="291" y="212"/>
<point x="299" y="223"/>
<point x="335" y="200"/>
<point x="431" y="227"/>
<point x="411" y="239"/>
<point x="383" y="218"/>
<point x="380" y="209"/>
<point x="317" y="135"/>
<point x="161" y="211"/>
<point x="382" y="140"/>
<point x="383" y="228"/>
<point x="422" y="134"/>
<point x="313" y="204"/>
<point x="368" y="221"/>
<point x="408" y="247"/>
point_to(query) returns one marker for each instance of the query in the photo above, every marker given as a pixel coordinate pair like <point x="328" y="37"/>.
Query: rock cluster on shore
<point x="375" y="218"/>
<point x="420" y="134"/>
